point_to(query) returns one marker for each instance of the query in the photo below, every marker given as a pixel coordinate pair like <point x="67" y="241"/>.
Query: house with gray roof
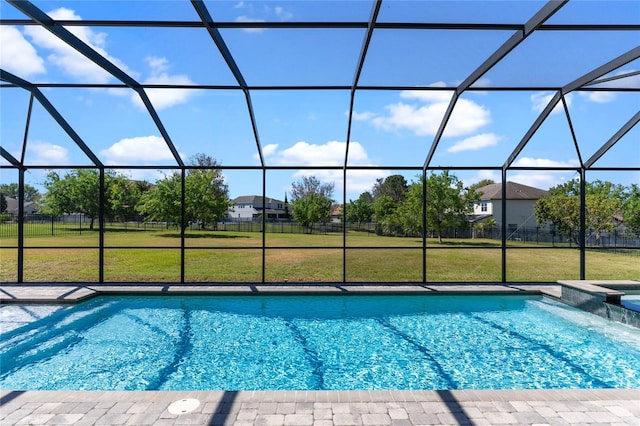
<point x="252" y="207"/>
<point x="12" y="206"/>
<point x="520" y="202"/>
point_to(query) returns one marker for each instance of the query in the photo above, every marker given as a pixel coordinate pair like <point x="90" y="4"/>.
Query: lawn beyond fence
<point x="225" y="256"/>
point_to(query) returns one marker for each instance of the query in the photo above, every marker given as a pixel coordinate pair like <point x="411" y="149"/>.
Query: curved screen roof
<point x="368" y="86"/>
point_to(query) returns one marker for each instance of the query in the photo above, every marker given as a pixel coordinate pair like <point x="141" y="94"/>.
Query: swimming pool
<point x="315" y="342"/>
<point x="631" y="301"/>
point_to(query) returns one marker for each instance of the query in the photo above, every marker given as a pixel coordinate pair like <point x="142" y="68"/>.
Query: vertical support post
<point x="182" y="220"/>
<point x="503" y="225"/>
<point x="20" y="225"/>
<point x="101" y="225"/>
<point x="424" y="225"/>
<point x="344" y="225"/>
<point x="264" y="234"/>
<point x="583" y="222"/>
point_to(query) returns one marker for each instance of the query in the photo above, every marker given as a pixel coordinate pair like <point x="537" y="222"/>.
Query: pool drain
<point x="183" y="406"/>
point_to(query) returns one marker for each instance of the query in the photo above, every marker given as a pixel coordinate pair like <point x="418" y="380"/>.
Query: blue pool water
<point x="314" y="342"/>
<point x="631" y="302"/>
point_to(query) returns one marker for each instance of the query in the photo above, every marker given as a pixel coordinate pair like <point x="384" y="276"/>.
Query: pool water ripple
<point x="319" y="342"/>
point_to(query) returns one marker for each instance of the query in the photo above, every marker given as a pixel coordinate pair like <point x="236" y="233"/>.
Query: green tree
<point x="366" y="197"/>
<point x="287" y="213"/>
<point x="561" y="208"/>
<point x="384" y="214"/>
<point x="359" y="211"/>
<point x="163" y="201"/>
<point x="77" y="192"/>
<point x="311" y="185"/>
<point x="409" y="212"/>
<point x="394" y="186"/>
<point x="448" y="202"/>
<point x="311" y="209"/>
<point x="311" y="201"/>
<point x="631" y="208"/>
<point x="206" y="195"/>
<point x="486" y="225"/>
<point x="11" y="190"/>
<point x="3" y="203"/>
<point x="483" y="182"/>
<point x="562" y="211"/>
<point x="123" y="197"/>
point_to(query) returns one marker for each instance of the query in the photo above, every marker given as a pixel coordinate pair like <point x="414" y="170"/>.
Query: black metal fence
<point x="38" y="225"/>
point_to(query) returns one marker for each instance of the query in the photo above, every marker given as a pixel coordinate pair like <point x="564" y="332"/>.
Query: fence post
<point x="52" y="225"/>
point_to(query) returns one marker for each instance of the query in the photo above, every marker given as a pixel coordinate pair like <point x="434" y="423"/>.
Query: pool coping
<point x="59" y="293"/>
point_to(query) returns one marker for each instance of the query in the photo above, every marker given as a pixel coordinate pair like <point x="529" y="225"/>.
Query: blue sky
<point x="308" y="128"/>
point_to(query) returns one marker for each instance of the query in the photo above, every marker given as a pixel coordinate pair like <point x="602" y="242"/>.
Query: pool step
<point x="47" y="337"/>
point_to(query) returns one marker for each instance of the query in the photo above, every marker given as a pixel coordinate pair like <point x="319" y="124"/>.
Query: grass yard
<point x="224" y="256"/>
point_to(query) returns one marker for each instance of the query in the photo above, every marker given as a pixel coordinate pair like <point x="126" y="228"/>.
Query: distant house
<point x="12" y="206"/>
<point x="252" y="207"/>
<point x="336" y="213"/>
<point x="520" y="202"/>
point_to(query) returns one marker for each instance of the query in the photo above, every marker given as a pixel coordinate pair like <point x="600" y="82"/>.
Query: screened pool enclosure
<point x="351" y="93"/>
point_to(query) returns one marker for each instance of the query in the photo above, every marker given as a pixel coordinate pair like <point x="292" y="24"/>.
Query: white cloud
<point x="540" y="100"/>
<point x="261" y="9"/>
<point x="306" y="154"/>
<point x="429" y="95"/>
<point x="632" y="81"/>
<point x="44" y="153"/>
<point x="67" y="58"/>
<point x="423" y="117"/>
<point x="598" y="97"/>
<point x="467" y="117"/>
<point x="282" y="13"/>
<point x="362" y="116"/>
<point x="164" y="98"/>
<point x="544" y="162"/>
<point x="540" y="179"/>
<point x="243" y="18"/>
<point x="482" y="175"/>
<point x="482" y="82"/>
<point x="543" y="179"/>
<point x="137" y="150"/>
<point x="270" y="149"/>
<point x="158" y="65"/>
<point x="331" y="153"/>
<point x="18" y="55"/>
<point x="475" y="143"/>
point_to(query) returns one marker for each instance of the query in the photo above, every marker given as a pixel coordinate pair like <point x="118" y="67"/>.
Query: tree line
<point x="393" y="204"/>
<point x="607" y="205"/>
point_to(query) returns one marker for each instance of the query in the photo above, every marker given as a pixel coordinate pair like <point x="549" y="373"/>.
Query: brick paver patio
<point x="323" y="408"/>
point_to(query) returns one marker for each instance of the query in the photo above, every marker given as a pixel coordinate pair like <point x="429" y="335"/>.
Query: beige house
<point x="520" y="202"/>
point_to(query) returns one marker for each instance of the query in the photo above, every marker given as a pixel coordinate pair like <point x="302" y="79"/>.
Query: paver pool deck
<point x="298" y="408"/>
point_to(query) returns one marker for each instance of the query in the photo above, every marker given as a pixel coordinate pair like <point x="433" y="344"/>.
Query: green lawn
<point x="225" y="256"/>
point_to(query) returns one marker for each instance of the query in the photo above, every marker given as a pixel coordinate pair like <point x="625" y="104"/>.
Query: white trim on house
<point x="251" y="207"/>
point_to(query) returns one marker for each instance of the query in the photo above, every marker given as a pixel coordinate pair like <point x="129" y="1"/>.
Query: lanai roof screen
<point x="330" y="88"/>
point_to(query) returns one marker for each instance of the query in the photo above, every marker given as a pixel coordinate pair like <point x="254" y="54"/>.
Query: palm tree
<point x="486" y="225"/>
